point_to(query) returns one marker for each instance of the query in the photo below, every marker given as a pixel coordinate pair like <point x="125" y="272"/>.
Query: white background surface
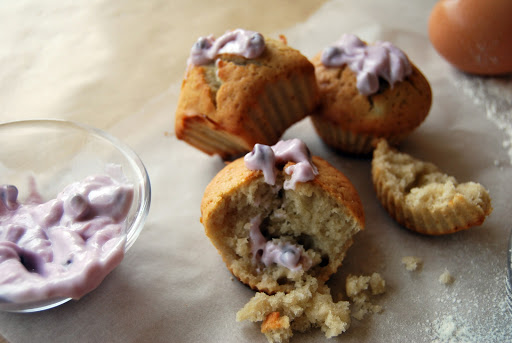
<point x="172" y="285"/>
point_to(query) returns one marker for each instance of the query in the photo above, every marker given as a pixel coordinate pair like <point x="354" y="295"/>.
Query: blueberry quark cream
<point x="369" y="62"/>
<point x="265" y="158"/>
<point x="245" y="43"/>
<point x="266" y="251"/>
<point x="64" y="247"/>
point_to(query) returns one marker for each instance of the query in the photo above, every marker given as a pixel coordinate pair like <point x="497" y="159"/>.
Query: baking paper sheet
<point x="173" y="286"/>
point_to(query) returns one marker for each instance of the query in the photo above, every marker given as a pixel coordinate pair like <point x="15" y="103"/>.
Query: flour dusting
<point x="495" y="94"/>
<point x="451" y="324"/>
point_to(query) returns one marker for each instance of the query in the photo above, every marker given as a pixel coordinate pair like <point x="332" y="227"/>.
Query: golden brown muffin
<point x="422" y="198"/>
<point x="318" y="217"/>
<point x="351" y="121"/>
<point x="228" y="105"/>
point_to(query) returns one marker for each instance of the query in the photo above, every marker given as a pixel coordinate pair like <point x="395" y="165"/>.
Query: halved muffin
<point x="422" y="198"/>
<point x="273" y="235"/>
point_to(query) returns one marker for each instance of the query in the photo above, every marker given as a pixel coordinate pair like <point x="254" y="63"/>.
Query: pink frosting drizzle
<point x="248" y="44"/>
<point x="369" y="62"/>
<point x="63" y="247"/>
<point x="265" y="158"/>
<point x="284" y="254"/>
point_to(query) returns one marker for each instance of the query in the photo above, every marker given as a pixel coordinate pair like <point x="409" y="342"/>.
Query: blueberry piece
<point x="8" y="194"/>
<point x="202" y="44"/>
<point x="256" y="39"/>
<point x="331" y="52"/>
<point x="78" y="206"/>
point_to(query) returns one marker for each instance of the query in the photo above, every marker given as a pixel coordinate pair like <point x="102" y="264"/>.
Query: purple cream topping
<point x="369" y="62"/>
<point x="284" y="254"/>
<point x="63" y="247"/>
<point x="265" y="158"/>
<point x="248" y="44"/>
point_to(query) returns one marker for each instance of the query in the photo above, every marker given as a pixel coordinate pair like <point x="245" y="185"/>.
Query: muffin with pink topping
<point x="279" y="216"/>
<point x="241" y="89"/>
<point x="367" y="92"/>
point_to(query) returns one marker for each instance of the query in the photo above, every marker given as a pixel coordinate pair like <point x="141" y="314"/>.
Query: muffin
<point x="279" y="215"/>
<point x="242" y="89"/>
<point x="422" y="198"/>
<point x="367" y="92"/>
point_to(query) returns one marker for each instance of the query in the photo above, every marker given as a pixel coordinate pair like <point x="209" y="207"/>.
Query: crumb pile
<point x="360" y="289"/>
<point x="309" y="305"/>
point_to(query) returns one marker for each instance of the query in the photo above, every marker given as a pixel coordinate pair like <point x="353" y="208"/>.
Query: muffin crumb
<point x="412" y="263"/>
<point x="446" y="278"/>
<point x="359" y="289"/>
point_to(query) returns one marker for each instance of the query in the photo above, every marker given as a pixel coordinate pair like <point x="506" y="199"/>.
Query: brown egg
<point x="474" y="35"/>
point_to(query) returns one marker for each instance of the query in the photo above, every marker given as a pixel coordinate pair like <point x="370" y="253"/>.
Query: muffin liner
<point x="208" y="137"/>
<point x="348" y="141"/>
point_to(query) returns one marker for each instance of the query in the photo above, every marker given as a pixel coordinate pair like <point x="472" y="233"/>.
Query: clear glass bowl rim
<point x="143" y="205"/>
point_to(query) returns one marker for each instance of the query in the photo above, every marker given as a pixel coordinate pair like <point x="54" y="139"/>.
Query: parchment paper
<point x="173" y="286"/>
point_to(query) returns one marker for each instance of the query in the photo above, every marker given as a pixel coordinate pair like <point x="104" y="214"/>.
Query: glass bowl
<point x="56" y="153"/>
